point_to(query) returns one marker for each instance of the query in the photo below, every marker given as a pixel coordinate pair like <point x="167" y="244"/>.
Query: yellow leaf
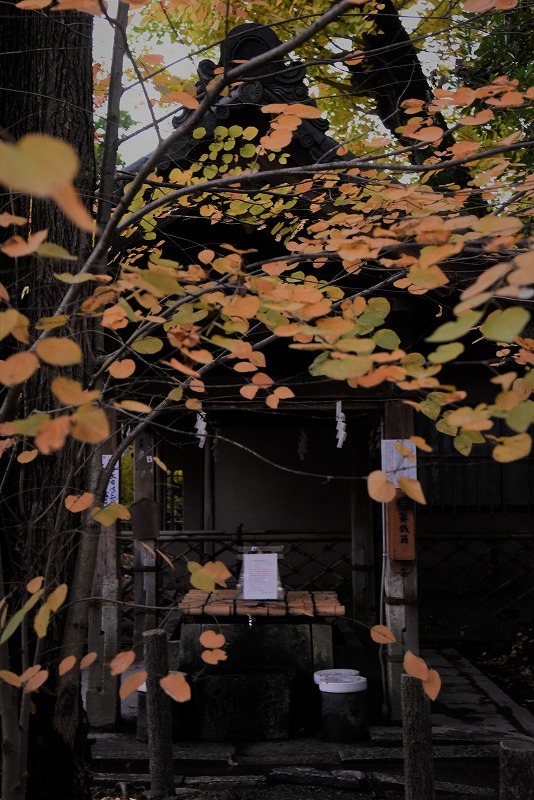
<point x="66" y="664"/>
<point x="382" y="635"/>
<point x="415" y="666"/>
<point x="60" y="352"/>
<point x="512" y="448"/>
<point x="218" y="571"/>
<point x="78" y="502"/>
<point x="432" y="684"/>
<point x="134" y="405"/>
<point x="56" y="598"/>
<point x="35" y="584"/>
<point x="18" y="368"/>
<point x="37" y="164"/>
<point x="109" y="514"/>
<point x="379" y="487"/>
<point x="42" y="618"/>
<point x="12" y="321"/>
<point x="132" y="683"/>
<point x="176" y="686"/>
<point x="160" y="463"/>
<point x="412" y="488"/>
<point x="212" y="639"/>
<point x="121" y="662"/>
<point x="90" y="424"/>
<point x="71" y="393"/>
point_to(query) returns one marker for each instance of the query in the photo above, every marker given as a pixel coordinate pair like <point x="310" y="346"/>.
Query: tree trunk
<point x="46" y="64"/>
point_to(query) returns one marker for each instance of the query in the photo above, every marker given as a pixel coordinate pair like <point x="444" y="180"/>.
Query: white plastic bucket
<point x="343" y="684"/>
<point x="332" y="674"/>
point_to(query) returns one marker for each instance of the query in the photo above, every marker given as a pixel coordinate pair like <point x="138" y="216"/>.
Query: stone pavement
<point x="471" y="716"/>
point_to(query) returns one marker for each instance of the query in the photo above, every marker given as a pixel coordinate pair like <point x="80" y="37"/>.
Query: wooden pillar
<point x="145" y="530"/>
<point x="516" y="769"/>
<point x="417" y="741"/>
<point x="400" y="582"/>
<point x="158" y="707"/>
<point x="103" y="707"/>
<point x="146" y="520"/>
<point x="362" y="536"/>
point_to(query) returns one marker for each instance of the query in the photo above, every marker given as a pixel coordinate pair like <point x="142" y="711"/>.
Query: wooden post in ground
<point x="417" y="740"/>
<point x="102" y="701"/>
<point x="400" y="580"/>
<point x="158" y="707"/>
<point x="516" y="769"/>
<point x="362" y="537"/>
<point x="145" y="530"/>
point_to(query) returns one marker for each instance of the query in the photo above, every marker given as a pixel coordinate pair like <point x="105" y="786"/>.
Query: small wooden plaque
<point x="401" y="528"/>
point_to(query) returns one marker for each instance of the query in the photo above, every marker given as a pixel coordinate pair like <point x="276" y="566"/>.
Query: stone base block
<point x="236" y="705"/>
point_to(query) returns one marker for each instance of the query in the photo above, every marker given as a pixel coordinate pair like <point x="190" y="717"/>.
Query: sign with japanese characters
<point x="401" y="528"/>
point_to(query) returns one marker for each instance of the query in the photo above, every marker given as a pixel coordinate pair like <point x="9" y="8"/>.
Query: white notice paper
<point x="395" y="462"/>
<point x="260" y="576"/>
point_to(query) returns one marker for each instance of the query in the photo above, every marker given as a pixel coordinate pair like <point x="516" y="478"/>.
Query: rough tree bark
<point x="46" y="67"/>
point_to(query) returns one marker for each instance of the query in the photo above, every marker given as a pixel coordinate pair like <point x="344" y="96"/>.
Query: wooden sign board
<point x="401" y="528"/>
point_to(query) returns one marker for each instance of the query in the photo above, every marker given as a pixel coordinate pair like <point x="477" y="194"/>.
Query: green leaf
<point x="387" y="339"/>
<point x="51" y="250"/>
<point x="17" y="618"/>
<point x="445" y="427"/>
<point x="505" y="326"/>
<point x="450" y="331"/>
<point x="463" y="444"/>
<point x="521" y="417"/>
<point x="199" y="133"/>
<point x="446" y="352"/>
<point x="176" y="394"/>
<point x="31" y="425"/>
<point x="345" y="368"/>
<point x="147" y="346"/>
<point x="248" y="150"/>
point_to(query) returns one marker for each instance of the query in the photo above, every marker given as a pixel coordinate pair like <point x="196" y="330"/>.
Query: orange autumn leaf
<point x="132" y="683"/>
<point x="184" y="98"/>
<point x="36" y="682"/>
<point x="213" y="656"/>
<point x="176" y="686"/>
<point x="382" y="635"/>
<point x="52" y="435"/>
<point x="18" y="368"/>
<point x="78" y="502"/>
<point x="7" y="219"/>
<point x="415" y="666"/>
<point x="432" y="684"/>
<point x="35" y="584"/>
<point x="10" y="677"/>
<point x="249" y="391"/>
<point x="17" y="247"/>
<point x="121" y="662"/>
<point x="122" y="369"/>
<point x="66" y="664"/>
<point x="218" y="571"/>
<point x="59" y="352"/>
<point x="27" y="456"/>
<point x="212" y="639"/>
<point x="88" y="659"/>
<point x="134" y="405"/>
